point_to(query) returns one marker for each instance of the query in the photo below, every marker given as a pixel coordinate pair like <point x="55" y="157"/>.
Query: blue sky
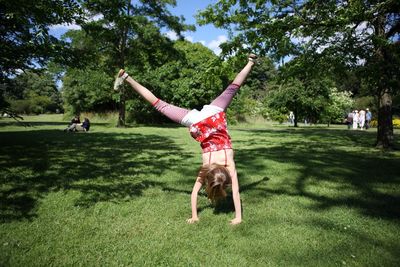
<point x="207" y="35"/>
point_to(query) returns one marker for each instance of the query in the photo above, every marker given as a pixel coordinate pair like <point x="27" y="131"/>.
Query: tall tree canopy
<point x="25" y="42"/>
<point x="189" y="80"/>
<point x="129" y="33"/>
<point x="330" y="34"/>
<point x="34" y="92"/>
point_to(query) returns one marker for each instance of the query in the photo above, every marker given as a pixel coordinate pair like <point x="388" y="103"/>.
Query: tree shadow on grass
<point x="34" y="124"/>
<point x="115" y="192"/>
<point x="102" y="166"/>
<point x="357" y="178"/>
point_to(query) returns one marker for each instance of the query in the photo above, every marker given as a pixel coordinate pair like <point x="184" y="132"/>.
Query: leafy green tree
<point x="86" y="83"/>
<point x="128" y="34"/>
<point x="339" y="104"/>
<point x="248" y="102"/>
<point x="331" y="34"/>
<point x="33" y="104"/>
<point x="363" y="102"/>
<point x="304" y="91"/>
<point x="261" y="77"/>
<point x="196" y="77"/>
<point x="190" y="81"/>
<point x="306" y="100"/>
<point x="25" y="42"/>
<point x="243" y="106"/>
<point x="33" y="92"/>
<point x="40" y="82"/>
<point x="87" y="90"/>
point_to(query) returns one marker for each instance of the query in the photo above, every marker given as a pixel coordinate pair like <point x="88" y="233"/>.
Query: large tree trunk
<point x="385" y="135"/>
<point x="121" y="115"/>
<point x="121" y="64"/>
<point x="122" y="107"/>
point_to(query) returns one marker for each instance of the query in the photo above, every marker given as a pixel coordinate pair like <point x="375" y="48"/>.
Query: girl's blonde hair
<point x="217" y="177"/>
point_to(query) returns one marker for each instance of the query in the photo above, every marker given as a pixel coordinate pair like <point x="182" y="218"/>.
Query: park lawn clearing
<point x="311" y="196"/>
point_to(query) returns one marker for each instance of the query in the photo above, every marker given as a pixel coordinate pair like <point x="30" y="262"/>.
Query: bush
<point x="396" y="123"/>
<point x="34" y="104"/>
<point x="281" y="118"/>
<point x="373" y="123"/>
<point x="21" y="106"/>
<point x="243" y="106"/>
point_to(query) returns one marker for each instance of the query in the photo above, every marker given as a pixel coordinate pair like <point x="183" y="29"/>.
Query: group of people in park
<point x="359" y="119"/>
<point x="77" y="126"/>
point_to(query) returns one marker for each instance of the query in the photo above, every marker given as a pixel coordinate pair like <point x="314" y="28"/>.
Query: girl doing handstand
<point x="208" y="127"/>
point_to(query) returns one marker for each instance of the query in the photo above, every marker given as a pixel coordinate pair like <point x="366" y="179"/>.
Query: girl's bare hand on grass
<point x="236" y="221"/>
<point x="192" y="220"/>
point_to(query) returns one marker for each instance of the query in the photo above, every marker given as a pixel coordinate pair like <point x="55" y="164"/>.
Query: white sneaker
<point x="253" y="58"/>
<point x="119" y="80"/>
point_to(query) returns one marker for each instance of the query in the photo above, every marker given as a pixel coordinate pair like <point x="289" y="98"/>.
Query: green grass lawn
<point x="312" y="196"/>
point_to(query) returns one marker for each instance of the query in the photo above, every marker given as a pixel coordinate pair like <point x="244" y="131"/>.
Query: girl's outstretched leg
<point x="226" y="97"/>
<point x="174" y="113"/>
<point x="140" y="89"/>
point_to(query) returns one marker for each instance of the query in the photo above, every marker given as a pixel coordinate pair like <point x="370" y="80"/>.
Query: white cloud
<point x="214" y="44"/>
<point x="364" y="28"/>
<point x="97" y="17"/>
<point x="65" y="27"/>
<point x="172" y="35"/>
<point x="189" y="38"/>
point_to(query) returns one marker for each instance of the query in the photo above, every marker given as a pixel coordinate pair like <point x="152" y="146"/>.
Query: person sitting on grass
<point x="79" y="127"/>
<point x="75" y="119"/>
<point x="209" y="127"/>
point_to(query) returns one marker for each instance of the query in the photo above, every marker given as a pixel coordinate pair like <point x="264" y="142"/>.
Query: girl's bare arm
<point x="193" y="200"/>
<point x="236" y="198"/>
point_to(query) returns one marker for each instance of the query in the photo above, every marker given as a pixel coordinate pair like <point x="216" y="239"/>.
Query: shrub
<point x="21" y="106"/>
<point x="33" y="104"/>
<point x="396" y="123"/>
<point x="278" y="117"/>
